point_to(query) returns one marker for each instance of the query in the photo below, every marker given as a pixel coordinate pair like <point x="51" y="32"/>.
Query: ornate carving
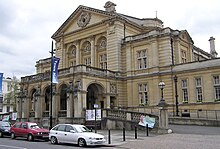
<point x="38" y="91"/>
<point x="113" y="88"/>
<point x="84" y="19"/>
<point x="111" y="30"/>
<point x="110" y="7"/>
<point x="78" y="85"/>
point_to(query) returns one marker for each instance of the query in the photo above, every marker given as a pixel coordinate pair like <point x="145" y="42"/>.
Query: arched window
<point x="102" y="43"/>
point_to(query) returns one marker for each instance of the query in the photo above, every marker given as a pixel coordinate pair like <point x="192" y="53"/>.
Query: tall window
<point x="87" y="61"/>
<point x="199" y="89"/>
<point x="183" y="56"/>
<point x="141" y="59"/>
<point x="103" y="61"/>
<point x="184" y="91"/>
<point x="143" y="94"/>
<point x="216" y="87"/>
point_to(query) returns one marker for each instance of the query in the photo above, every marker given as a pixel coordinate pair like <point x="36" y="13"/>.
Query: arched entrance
<point x="94" y="95"/>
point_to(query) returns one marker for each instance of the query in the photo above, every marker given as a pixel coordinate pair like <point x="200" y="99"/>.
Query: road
<point x="183" y="137"/>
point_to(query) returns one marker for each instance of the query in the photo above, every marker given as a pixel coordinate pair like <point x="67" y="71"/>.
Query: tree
<point x="11" y="97"/>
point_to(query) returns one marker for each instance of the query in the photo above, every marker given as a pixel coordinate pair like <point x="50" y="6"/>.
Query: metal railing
<point x="183" y="112"/>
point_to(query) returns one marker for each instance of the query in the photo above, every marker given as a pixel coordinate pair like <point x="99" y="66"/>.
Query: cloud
<point x="26" y="26"/>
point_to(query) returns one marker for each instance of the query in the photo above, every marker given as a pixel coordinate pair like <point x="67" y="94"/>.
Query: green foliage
<point x="11" y="97"/>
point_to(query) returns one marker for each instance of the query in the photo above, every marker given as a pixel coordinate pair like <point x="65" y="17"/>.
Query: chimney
<point x="212" y="47"/>
<point x="110" y="7"/>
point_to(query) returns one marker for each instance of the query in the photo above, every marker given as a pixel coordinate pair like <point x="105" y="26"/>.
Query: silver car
<point x="75" y="134"/>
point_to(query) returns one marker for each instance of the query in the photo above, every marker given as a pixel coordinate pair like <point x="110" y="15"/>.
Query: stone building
<point x="115" y="60"/>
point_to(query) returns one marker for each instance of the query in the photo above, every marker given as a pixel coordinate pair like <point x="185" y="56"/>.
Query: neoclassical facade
<point x="115" y="60"/>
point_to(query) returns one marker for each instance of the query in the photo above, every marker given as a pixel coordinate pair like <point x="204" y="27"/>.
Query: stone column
<point x="70" y="105"/>
<point x="163" y="118"/>
<point x="108" y="102"/>
<point x="55" y="105"/>
<point x="77" y="105"/>
<point x="78" y="53"/>
<point x="92" y="52"/>
<point x="39" y="107"/>
<point x="25" y="108"/>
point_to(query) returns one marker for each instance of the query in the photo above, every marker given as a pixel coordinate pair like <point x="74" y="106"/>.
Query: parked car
<point x="29" y="130"/>
<point x="4" y="128"/>
<point x="75" y="134"/>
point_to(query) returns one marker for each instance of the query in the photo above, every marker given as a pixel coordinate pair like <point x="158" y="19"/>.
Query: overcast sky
<point x="26" y="26"/>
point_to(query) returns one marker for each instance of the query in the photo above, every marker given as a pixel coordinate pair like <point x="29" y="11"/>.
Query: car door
<point x="24" y="129"/>
<point x="16" y="129"/>
<point x="70" y="135"/>
<point x="60" y="133"/>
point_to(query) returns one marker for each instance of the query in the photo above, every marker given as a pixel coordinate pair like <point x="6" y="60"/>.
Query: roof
<point x="129" y="19"/>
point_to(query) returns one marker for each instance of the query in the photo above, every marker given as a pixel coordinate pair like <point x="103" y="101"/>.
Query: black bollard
<point x="135" y="132"/>
<point x="123" y="134"/>
<point x="147" y="130"/>
<point x="109" y="137"/>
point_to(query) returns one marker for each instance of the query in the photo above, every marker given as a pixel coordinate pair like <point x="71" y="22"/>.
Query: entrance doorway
<point x="94" y="96"/>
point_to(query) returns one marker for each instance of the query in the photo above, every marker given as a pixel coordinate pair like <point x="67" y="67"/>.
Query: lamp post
<point x="176" y="96"/>
<point x="51" y="87"/>
<point x="162" y="101"/>
<point x="95" y="107"/>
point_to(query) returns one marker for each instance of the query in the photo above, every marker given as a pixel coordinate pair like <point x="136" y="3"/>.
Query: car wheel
<point x="30" y="137"/>
<point x="13" y="136"/>
<point x="81" y="142"/>
<point x="1" y="134"/>
<point x="53" y="140"/>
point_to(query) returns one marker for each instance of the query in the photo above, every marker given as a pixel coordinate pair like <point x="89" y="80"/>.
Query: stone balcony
<point x="79" y="69"/>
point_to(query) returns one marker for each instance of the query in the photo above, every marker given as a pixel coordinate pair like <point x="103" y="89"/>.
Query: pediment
<point x="184" y="35"/>
<point x="81" y="18"/>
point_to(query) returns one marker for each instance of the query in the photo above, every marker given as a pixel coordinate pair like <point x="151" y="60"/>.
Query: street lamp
<point x="51" y="88"/>
<point x="176" y="96"/>
<point x="95" y="107"/>
<point x="162" y="101"/>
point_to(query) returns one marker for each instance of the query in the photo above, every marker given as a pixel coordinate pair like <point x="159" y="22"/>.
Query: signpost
<point x="95" y="107"/>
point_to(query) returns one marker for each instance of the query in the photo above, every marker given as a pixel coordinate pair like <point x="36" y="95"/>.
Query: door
<point x="23" y="131"/>
<point x="60" y="133"/>
<point x="70" y="135"/>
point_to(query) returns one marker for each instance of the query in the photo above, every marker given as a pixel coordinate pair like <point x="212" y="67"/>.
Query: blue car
<point x="4" y="129"/>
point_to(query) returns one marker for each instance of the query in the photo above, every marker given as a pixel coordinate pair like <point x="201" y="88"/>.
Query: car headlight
<point x="39" y="133"/>
<point x="91" y="138"/>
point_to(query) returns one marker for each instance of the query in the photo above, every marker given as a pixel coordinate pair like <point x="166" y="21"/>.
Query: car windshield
<point x="34" y="126"/>
<point x="82" y="129"/>
<point x="5" y="124"/>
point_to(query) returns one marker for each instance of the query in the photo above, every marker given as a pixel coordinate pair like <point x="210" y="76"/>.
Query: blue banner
<point x="1" y="77"/>
<point x="55" y="63"/>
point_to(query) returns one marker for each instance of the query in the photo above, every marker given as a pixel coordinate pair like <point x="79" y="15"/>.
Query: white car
<point x="75" y="134"/>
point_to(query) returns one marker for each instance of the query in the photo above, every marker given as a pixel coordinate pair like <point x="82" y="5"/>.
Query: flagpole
<point x="51" y="87"/>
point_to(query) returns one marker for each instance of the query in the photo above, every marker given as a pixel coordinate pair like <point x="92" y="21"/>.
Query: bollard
<point x="123" y="134"/>
<point x="135" y="132"/>
<point x="147" y="133"/>
<point x="109" y="137"/>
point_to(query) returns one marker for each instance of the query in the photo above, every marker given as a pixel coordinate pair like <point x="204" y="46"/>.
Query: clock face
<point x="84" y="19"/>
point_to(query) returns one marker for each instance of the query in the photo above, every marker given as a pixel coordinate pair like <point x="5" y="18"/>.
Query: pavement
<point x="182" y="137"/>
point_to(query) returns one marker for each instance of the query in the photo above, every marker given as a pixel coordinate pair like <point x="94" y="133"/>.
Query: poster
<point x="90" y="115"/>
<point x="13" y="116"/>
<point x="144" y="120"/>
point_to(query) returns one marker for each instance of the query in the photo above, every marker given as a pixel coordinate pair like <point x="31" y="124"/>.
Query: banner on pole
<point x="1" y="78"/>
<point x="55" y="63"/>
